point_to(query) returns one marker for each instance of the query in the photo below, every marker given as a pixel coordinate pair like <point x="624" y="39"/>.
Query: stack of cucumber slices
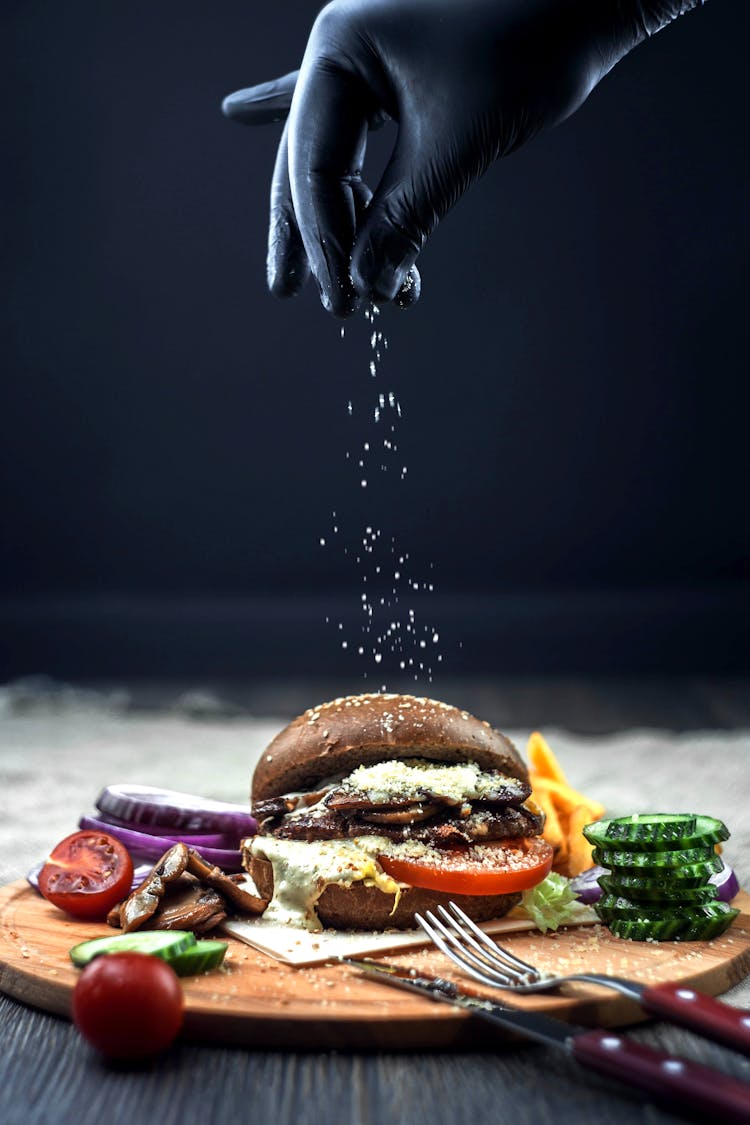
<point x="659" y="866"/>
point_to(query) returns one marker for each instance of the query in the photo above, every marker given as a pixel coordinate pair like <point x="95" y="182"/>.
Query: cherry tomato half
<point x="499" y="868"/>
<point x="87" y="874"/>
<point x="128" y="1005"/>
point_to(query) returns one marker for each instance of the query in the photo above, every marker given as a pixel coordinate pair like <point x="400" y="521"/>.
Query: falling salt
<point x="386" y="636"/>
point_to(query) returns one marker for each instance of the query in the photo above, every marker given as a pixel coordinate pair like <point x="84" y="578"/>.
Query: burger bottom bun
<point x="358" y="907"/>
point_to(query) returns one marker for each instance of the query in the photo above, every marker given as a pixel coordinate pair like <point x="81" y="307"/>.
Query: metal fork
<point x="469" y="947"/>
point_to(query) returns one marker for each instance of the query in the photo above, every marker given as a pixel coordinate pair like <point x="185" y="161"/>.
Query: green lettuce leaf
<point x="551" y="903"/>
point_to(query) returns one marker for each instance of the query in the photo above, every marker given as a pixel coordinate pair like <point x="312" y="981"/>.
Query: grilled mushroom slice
<point x="187" y="905"/>
<point x="143" y="903"/>
<point x="184" y="892"/>
<point x="412" y="814"/>
<point x="236" y="893"/>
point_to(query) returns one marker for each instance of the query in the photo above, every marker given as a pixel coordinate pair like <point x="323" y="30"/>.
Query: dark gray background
<point x="172" y="439"/>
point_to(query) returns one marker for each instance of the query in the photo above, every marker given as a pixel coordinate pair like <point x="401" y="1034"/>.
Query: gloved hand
<point x="467" y="81"/>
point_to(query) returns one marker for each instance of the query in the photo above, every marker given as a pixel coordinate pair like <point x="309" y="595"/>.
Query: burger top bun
<point x="336" y="737"/>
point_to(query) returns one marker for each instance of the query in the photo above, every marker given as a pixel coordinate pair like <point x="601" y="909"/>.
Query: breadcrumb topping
<point x="464" y="781"/>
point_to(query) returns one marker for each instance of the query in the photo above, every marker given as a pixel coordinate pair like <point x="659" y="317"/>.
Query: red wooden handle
<point x="672" y="1080"/>
<point x="703" y="1014"/>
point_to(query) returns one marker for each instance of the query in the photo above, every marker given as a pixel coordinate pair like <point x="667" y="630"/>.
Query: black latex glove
<point x="467" y="81"/>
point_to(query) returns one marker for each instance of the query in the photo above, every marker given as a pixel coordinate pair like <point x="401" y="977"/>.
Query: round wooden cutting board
<point x="256" y="1001"/>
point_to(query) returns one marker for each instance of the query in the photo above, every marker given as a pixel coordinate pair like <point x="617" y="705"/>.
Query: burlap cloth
<point x="58" y="753"/>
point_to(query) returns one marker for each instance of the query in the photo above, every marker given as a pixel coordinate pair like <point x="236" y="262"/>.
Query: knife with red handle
<point x="677" y="1082"/>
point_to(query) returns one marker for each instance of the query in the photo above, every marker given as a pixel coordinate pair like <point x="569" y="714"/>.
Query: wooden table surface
<point x="54" y="754"/>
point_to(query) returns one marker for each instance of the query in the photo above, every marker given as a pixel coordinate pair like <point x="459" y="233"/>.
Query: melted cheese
<point x="303" y="869"/>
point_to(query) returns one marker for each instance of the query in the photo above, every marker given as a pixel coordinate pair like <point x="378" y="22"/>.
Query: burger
<point x="371" y="808"/>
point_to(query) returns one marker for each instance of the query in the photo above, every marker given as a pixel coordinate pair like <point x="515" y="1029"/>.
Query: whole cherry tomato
<point x="87" y="874"/>
<point x="128" y="1005"/>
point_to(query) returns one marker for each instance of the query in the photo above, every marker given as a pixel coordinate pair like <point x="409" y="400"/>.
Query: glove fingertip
<point x="381" y="264"/>
<point x="233" y="105"/>
<point x="342" y="304"/>
<point x="410" y="291"/>
<point x="287" y="268"/>
<point x="287" y="284"/>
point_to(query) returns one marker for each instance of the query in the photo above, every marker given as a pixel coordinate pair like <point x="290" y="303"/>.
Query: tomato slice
<point x="87" y="874"/>
<point x="497" y="868"/>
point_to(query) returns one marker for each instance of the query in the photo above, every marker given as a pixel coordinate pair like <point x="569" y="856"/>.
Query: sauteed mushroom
<point x="184" y="892"/>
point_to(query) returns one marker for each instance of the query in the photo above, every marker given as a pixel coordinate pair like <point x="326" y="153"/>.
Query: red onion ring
<point x="170" y="809"/>
<point x="144" y="846"/>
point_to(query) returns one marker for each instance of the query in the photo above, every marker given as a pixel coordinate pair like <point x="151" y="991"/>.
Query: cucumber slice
<point x="702" y="923"/>
<point x="199" y="958"/>
<point x="656" y="832"/>
<point x="166" y="944"/>
<point x="651" y="863"/>
<point x="658" y="891"/>
<point x="653" y="883"/>
<point x="612" y="906"/>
